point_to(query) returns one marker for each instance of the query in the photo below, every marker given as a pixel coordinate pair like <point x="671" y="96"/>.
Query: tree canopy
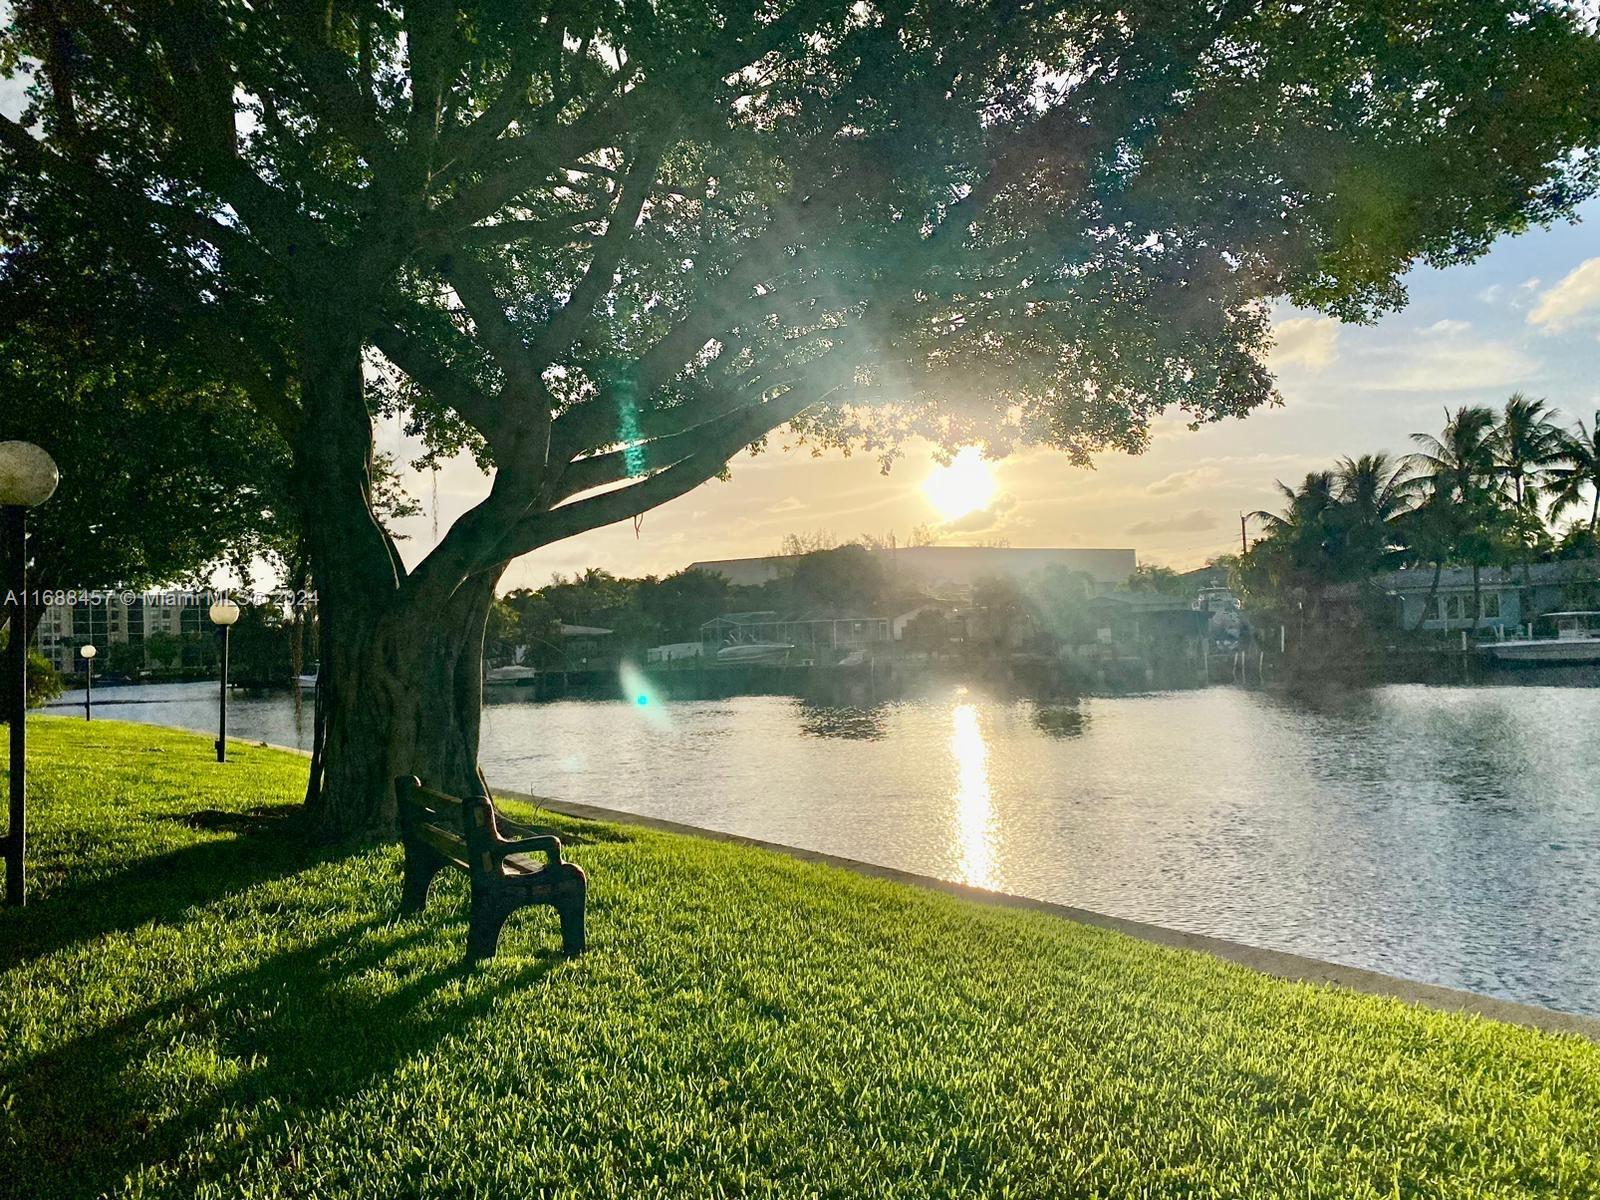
<point x="167" y="471"/>
<point x="602" y="244"/>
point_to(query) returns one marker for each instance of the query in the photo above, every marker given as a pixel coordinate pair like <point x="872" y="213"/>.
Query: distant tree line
<point x="999" y="615"/>
<point x="649" y="611"/>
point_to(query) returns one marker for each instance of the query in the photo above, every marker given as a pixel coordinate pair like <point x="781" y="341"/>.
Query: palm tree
<point x="1458" y="471"/>
<point x="1305" y="509"/>
<point x="1304" y="534"/>
<point x="1429" y="533"/>
<point x="1527" y="444"/>
<point x="1579" y="472"/>
<point x="1373" y="493"/>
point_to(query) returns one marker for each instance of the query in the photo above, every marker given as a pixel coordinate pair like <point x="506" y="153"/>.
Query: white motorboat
<point x="1577" y="640"/>
<point x="306" y="683"/>
<point x="755" y="653"/>
<point x="511" y="677"/>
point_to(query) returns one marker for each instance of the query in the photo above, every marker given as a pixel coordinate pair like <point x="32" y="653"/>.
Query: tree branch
<point x="437" y="377"/>
<point x="98" y="189"/>
<point x="567" y="322"/>
<point x="502" y="339"/>
<point x="464" y="146"/>
<point x="673" y="481"/>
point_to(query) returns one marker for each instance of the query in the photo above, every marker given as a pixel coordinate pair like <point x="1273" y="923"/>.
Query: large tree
<point x="1300" y="553"/>
<point x="1375" y="494"/>
<point x="608" y="246"/>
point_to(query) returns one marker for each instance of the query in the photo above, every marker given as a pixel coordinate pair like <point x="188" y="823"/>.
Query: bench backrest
<point x="461" y="830"/>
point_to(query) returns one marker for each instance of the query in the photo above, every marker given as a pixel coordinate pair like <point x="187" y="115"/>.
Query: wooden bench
<point x="444" y="831"/>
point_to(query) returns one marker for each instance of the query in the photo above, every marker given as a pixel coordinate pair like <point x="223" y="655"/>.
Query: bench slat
<point x="523" y="864"/>
<point x="451" y="845"/>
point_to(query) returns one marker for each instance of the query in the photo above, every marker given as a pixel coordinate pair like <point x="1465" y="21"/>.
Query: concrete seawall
<point x="1277" y="963"/>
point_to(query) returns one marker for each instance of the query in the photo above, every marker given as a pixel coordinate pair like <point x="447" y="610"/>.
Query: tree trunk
<point x="1433" y="596"/>
<point x="400" y="686"/>
<point x="1477" y="600"/>
<point x="401" y="695"/>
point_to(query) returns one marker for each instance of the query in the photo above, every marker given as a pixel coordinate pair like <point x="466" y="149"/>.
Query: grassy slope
<point x="233" y="1013"/>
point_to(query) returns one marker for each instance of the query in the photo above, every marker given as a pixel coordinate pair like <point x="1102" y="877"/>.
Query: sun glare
<point x="965" y="485"/>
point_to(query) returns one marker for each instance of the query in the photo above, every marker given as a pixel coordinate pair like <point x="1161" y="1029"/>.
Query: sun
<point x="965" y="485"/>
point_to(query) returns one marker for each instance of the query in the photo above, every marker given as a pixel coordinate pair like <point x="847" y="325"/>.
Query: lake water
<point x="1443" y="834"/>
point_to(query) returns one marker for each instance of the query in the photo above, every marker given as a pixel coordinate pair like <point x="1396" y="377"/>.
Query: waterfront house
<point x="1506" y="604"/>
<point x="588" y="647"/>
<point x="1149" y="625"/>
<point x="827" y="633"/>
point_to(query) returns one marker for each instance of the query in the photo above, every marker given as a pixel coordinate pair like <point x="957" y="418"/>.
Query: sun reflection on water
<point x="974" y="808"/>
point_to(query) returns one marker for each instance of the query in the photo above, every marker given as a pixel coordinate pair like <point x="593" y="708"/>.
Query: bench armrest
<point x="547" y="842"/>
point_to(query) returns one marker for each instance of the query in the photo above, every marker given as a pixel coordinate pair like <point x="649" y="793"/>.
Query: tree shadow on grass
<point x="265" y="1047"/>
<point x="160" y="887"/>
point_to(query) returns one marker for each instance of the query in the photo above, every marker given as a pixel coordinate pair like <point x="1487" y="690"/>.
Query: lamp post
<point x="87" y="653"/>
<point x="28" y="477"/>
<point x="223" y="614"/>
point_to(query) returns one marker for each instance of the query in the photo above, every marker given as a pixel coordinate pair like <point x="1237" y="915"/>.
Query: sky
<point x="1524" y="317"/>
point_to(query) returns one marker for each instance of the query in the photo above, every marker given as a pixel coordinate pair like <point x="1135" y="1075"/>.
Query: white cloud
<point x="1183" y="481"/>
<point x="1448" y="328"/>
<point x="1310" y="342"/>
<point x="1195" y="521"/>
<point x="1576" y="294"/>
<point x="981" y="519"/>
<point x="1449" y="366"/>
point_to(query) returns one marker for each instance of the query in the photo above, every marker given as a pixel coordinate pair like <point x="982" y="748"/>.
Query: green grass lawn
<point x="217" y="1008"/>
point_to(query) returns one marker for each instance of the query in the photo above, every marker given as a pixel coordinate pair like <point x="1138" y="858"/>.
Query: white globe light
<point x="224" y="612"/>
<point x="87" y="651"/>
<point x="28" y="475"/>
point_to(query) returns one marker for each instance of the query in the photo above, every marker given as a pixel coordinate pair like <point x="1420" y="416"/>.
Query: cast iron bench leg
<point x="570" y="910"/>
<point x="420" y="869"/>
<point x="489" y="913"/>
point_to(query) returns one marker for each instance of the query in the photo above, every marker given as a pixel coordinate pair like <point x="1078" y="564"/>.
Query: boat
<point x="755" y="653"/>
<point x="506" y="677"/>
<point x="306" y="683"/>
<point x="1577" y="640"/>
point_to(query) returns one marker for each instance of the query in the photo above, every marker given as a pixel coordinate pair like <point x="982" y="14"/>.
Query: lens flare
<point x="636" y="688"/>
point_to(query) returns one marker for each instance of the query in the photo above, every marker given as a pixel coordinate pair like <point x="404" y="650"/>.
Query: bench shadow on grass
<point x="268" y="843"/>
<point x="304" y="1029"/>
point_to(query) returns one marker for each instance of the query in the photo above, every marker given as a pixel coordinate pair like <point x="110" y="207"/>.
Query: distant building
<point x="587" y="647"/>
<point x="1149" y="623"/>
<point x="946" y="570"/>
<point x="897" y="625"/>
<point x="115" y="618"/>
